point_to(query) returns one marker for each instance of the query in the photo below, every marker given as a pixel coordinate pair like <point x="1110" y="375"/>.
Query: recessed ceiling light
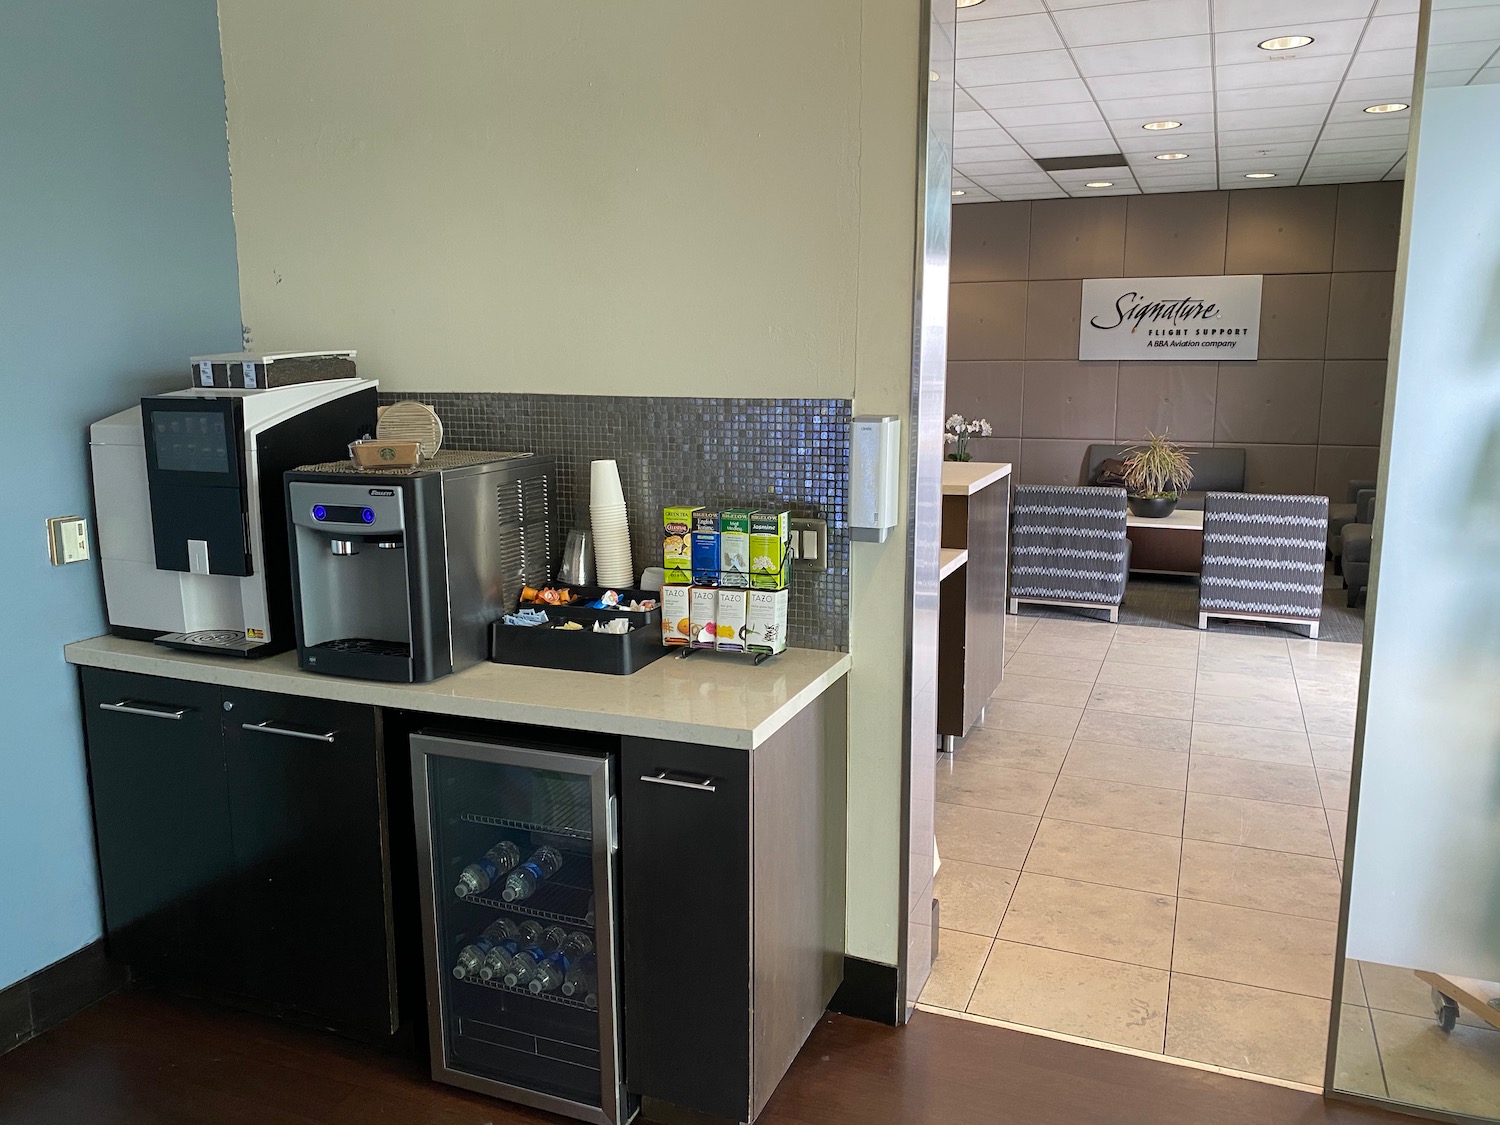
<point x="969" y="3"/>
<point x="1171" y="156"/>
<point x="932" y="76"/>
<point x="1162" y="125"/>
<point x="1387" y="107"/>
<point x="1285" y="43"/>
<point x="1260" y="175"/>
<point x="1100" y="183"/>
<point x="957" y="192"/>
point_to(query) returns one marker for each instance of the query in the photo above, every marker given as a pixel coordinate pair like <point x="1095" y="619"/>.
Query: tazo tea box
<point x="734" y="547"/>
<point x="770" y="534"/>
<point x="765" y="621"/>
<point x="705" y="548"/>
<point x="677" y="546"/>
<point x="676" y="612"/>
<point x="729" y="619"/>
<point x="702" y="606"/>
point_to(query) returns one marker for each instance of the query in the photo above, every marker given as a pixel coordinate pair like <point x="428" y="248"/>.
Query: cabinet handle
<point x="130" y="707"/>
<point x="272" y="728"/>
<point x="661" y="777"/>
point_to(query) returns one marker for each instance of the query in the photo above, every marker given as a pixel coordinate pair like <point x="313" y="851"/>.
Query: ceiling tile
<point x="1188" y="80"/>
<point x="1322" y="159"/>
<point x="1489" y="76"/>
<point x="962" y="103"/>
<point x="1191" y="123"/>
<point x="1395" y="145"/>
<point x="1013" y="179"/>
<point x="1239" y="183"/>
<point x="1395" y="7"/>
<point x="1031" y="93"/>
<point x="1378" y="64"/>
<point x="1337" y="37"/>
<point x="1344" y="113"/>
<point x="1237" y="15"/>
<point x="1287" y="133"/>
<point x="1072" y="148"/>
<point x="976" y="119"/>
<point x="975" y="197"/>
<point x="1130" y="22"/>
<point x="988" y="152"/>
<point x="975" y="138"/>
<point x="1370" y="91"/>
<point x="1298" y="150"/>
<point x="1055" y="193"/>
<point x="1456" y="56"/>
<point x="1387" y="32"/>
<point x="1135" y="58"/>
<point x="1029" y="66"/>
<point x="1272" y="117"/>
<point x="1072" y="177"/>
<point x="1172" y="106"/>
<point x="1025" y="115"/>
<point x="1464" y="25"/>
<point x="1143" y="141"/>
<point x="983" y="169"/>
<point x="989" y="9"/>
<point x="1293" y="93"/>
<point x="1007" y="35"/>
<point x="1273" y="71"/>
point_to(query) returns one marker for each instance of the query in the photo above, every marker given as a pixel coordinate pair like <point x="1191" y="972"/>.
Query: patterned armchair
<point x="1068" y="547"/>
<point x="1263" y="558"/>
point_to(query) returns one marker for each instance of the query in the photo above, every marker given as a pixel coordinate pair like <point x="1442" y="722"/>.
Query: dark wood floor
<point x="145" y="1059"/>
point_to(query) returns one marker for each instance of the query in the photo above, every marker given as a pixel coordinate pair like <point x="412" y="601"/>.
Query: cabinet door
<point x="307" y="809"/>
<point x="161" y="823"/>
<point x="685" y="873"/>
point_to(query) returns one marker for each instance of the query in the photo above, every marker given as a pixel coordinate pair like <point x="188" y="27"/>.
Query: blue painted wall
<point x="117" y="262"/>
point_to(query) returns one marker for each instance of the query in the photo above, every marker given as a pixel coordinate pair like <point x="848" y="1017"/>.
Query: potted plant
<point x="958" y="430"/>
<point x="1154" y="474"/>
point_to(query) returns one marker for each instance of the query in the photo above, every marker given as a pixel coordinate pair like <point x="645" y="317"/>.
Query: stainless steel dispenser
<point x="397" y="573"/>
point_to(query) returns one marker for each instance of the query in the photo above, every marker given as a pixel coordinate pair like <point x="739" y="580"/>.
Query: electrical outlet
<point x="67" y="539"/>
<point x="810" y="543"/>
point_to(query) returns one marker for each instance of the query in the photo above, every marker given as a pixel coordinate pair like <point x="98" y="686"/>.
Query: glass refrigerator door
<point x="517" y="885"/>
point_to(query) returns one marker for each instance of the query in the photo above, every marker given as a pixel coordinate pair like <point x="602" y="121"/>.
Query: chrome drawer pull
<point x="272" y="728"/>
<point x="705" y="785"/>
<point x="126" y="707"/>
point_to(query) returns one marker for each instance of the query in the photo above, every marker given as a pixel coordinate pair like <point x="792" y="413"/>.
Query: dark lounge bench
<point x="1214" y="470"/>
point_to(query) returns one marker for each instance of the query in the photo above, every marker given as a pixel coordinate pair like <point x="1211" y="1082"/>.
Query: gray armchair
<point x="1068" y="547"/>
<point x="1263" y="558"/>
<point x="1358" y="542"/>
<point x="1340" y="516"/>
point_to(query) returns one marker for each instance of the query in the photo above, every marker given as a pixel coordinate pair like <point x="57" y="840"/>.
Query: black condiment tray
<point x="583" y="650"/>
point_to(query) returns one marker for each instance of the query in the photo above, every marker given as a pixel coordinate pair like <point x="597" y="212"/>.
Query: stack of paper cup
<point x="612" y="561"/>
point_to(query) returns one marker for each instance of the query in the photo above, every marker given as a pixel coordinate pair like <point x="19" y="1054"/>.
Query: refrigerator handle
<point x="613" y="831"/>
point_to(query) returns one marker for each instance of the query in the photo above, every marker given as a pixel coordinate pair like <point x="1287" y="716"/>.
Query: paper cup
<point x="604" y="484"/>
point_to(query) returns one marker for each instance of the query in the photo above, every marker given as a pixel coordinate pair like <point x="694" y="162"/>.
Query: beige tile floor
<point x="1141" y="843"/>
<point x="1391" y="1046"/>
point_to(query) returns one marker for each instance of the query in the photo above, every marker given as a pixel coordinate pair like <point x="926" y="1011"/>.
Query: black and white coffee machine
<point x="397" y="573"/>
<point x="191" y="513"/>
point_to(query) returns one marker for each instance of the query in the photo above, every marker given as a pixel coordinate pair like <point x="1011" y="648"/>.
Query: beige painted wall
<point x="647" y="198"/>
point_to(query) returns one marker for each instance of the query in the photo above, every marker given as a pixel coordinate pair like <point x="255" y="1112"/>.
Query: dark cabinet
<point x="242" y="846"/>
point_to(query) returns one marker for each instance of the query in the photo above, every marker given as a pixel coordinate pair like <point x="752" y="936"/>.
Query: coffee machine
<point x="397" y="573"/>
<point x="191" y="513"/>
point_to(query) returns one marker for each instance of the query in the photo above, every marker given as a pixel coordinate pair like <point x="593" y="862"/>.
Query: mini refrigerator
<point x="517" y="846"/>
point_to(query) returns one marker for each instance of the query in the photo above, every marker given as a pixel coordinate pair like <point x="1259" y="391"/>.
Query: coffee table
<point x="1171" y="544"/>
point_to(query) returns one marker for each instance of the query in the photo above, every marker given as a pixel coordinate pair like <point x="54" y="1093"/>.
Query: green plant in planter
<point x="1158" y="469"/>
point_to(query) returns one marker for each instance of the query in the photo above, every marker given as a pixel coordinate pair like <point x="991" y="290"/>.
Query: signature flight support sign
<point x="1170" y="319"/>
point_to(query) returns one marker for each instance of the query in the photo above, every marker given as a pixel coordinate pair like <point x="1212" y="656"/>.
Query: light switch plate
<point x="810" y="543"/>
<point x="67" y="539"/>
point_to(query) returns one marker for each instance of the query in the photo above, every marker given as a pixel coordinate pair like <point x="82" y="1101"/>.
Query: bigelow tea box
<point x="676" y="611"/>
<point x="770" y="549"/>
<point x="730" y="619"/>
<point x="677" y="545"/>
<point x="702" y="608"/>
<point x="705" y="548"/>
<point x="734" y="547"/>
<point x="765" y="621"/>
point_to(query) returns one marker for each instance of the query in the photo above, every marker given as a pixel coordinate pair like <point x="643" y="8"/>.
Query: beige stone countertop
<point x="950" y="559"/>
<point x="964" y="478"/>
<point x="716" y="700"/>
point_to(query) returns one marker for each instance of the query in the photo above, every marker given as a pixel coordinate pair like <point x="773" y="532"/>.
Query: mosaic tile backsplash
<point x="720" y="452"/>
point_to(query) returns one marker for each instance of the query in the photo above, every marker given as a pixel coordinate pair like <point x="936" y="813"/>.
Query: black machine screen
<point x="191" y="441"/>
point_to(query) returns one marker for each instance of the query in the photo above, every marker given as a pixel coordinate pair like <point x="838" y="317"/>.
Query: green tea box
<point x="770" y="549"/>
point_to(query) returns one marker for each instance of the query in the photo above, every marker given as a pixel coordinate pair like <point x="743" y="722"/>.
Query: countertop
<point x="709" y="699"/>
<point x="964" y="478"/>
<point x="950" y="559"/>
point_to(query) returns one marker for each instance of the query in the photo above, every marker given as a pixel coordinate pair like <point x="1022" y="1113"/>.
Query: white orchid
<point x="957" y="430"/>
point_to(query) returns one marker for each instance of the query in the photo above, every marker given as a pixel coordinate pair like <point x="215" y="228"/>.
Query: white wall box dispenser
<point x="874" y="465"/>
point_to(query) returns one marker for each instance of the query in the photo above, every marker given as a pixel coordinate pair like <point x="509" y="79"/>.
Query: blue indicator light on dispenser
<point x="320" y="513"/>
<point x="368" y="515"/>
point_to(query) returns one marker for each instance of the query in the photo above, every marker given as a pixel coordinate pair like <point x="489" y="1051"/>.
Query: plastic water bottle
<point x="556" y="970"/>
<point x="581" y="979"/>
<point x="588" y="916"/>
<point x="531" y="933"/>
<point x="523" y="966"/>
<point x="477" y="877"/>
<point x="472" y="956"/>
<point x="522" y="883"/>
<point x="497" y="960"/>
